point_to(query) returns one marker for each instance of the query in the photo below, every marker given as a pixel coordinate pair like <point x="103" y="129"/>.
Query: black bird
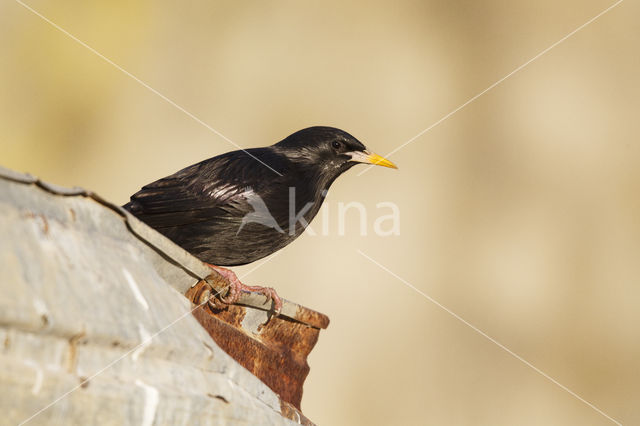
<point x="241" y="206"/>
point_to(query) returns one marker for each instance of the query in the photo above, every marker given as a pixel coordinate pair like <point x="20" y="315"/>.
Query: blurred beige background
<point x="520" y="212"/>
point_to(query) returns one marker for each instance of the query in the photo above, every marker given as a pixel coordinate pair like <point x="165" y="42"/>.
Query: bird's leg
<point x="236" y="287"/>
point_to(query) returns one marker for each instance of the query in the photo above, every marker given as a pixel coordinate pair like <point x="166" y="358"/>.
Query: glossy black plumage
<point x="232" y="209"/>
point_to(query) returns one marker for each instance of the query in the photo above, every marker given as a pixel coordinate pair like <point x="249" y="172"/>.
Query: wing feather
<point x="210" y="190"/>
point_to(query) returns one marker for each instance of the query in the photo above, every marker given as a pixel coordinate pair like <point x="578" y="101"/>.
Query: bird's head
<point x="328" y="150"/>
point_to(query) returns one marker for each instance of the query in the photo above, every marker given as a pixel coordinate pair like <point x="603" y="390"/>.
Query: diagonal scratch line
<point x="491" y="339"/>
<point x="142" y="83"/>
<point x="497" y="83"/>
<point x="144" y="342"/>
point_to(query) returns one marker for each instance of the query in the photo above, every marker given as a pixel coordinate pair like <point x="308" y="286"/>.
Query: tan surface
<point x="519" y="213"/>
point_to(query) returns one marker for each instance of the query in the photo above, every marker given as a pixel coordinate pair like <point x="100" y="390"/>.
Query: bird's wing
<point x="211" y="190"/>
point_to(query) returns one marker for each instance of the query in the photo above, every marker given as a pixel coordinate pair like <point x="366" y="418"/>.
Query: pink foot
<point x="237" y="287"/>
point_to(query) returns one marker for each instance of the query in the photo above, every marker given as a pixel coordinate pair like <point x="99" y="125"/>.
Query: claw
<point x="236" y="287"/>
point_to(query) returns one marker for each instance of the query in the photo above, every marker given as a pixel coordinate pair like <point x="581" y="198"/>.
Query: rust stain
<point x="313" y="318"/>
<point x="73" y="343"/>
<point x="45" y="320"/>
<point x="45" y="223"/>
<point x="232" y="315"/>
<point x="276" y="354"/>
<point x="220" y="397"/>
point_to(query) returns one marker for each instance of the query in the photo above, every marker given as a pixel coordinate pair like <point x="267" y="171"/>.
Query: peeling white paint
<point x="151" y="399"/>
<point x="254" y="319"/>
<point x="145" y="341"/>
<point x="135" y="289"/>
<point x="37" y="384"/>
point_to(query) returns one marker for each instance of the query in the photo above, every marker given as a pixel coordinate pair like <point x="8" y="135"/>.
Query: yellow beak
<point x="370" y="158"/>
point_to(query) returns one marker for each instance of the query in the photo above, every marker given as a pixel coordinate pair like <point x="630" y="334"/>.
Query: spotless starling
<point x="241" y="206"/>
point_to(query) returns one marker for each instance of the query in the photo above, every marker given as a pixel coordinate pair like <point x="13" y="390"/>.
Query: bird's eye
<point x="336" y="144"/>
